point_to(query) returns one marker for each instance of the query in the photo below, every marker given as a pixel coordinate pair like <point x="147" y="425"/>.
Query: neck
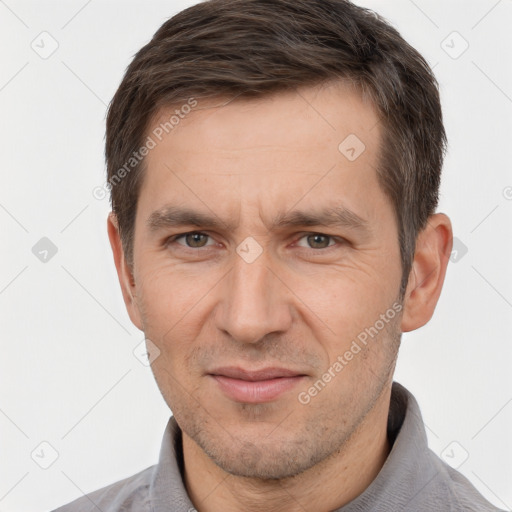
<point x="326" y="486"/>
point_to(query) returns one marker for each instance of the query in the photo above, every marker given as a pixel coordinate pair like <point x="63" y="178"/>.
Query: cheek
<point x="173" y="326"/>
<point x="348" y="319"/>
<point x="344" y="301"/>
<point x="168" y="294"/>
<point x="175" y="336"/>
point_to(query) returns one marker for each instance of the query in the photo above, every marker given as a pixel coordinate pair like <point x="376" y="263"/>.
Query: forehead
<point x="311" y="144"/>
<point x="331" y="108"/>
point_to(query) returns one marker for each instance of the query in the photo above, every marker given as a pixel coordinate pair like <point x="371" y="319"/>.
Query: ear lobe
<point x="124" y="273"/>
<point x="433" y="249"/>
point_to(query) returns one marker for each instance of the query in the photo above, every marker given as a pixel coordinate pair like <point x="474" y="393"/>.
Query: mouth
<point x="247" y="386"/>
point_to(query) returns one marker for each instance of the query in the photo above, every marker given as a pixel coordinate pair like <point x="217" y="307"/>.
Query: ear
<point x="124" y="272"/>
<point x="433" y="249"/>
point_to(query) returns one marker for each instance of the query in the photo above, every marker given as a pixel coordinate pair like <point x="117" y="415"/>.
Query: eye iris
<point x="194" y="239"/>
<point x="313" y="239"/>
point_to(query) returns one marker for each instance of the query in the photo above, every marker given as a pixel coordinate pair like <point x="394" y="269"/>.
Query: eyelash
<point x="339" y="240"/>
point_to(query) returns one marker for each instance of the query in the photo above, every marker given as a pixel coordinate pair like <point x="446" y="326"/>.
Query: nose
<point x="254" y="301"/>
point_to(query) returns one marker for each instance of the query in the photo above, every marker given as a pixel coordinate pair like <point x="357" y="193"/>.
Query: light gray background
<point x="68" y="373"/>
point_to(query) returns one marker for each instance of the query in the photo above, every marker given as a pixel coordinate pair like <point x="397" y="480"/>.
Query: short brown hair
<point x="251" y="48"/>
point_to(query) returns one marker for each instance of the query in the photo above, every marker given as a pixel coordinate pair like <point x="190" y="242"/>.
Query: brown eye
<point x="318" y="241"/>
<point x="193" y="240"/>
<point x="196" y="239"/>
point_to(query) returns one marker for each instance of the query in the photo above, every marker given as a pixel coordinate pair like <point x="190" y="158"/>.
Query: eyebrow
<point x="174" y="216"/>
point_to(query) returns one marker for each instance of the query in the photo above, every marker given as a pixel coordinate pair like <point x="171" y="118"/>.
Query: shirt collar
<point x="409" y="467"/>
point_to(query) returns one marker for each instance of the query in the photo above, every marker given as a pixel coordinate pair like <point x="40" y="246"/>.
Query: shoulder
<point x="129" y="494"/>
<point x="456" y="491"/>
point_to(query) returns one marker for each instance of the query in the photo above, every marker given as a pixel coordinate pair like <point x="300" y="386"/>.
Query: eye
<point x="198" y="240"/>
<point x="317" y="241"/>
<point x="193" y="240"/>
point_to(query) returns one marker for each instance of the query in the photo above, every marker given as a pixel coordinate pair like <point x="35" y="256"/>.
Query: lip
<point x="255" y="386"/>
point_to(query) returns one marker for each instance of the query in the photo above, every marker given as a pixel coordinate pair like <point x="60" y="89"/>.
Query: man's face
<point x="255" y="291"/>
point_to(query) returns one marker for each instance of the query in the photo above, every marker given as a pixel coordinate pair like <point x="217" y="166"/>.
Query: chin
<point x="248" y="460"/>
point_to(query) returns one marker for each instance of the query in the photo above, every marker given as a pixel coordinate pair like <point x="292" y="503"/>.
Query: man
<point x="274" y="170"/>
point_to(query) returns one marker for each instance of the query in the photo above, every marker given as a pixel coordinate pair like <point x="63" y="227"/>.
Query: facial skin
<point x="299" y="305"/>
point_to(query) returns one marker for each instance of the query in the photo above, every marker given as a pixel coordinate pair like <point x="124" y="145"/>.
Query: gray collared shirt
<point x="413" y="478"/>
